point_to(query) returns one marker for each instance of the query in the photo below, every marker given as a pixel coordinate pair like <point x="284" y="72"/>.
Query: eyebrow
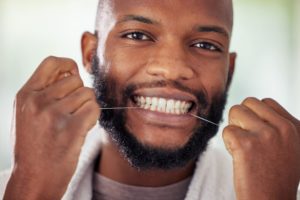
<point x="146" y="20"/>
<point x="214" y="29"/>
<point x="137" y="18"/>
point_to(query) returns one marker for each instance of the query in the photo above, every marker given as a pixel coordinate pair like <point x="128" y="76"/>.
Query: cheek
<point x="213" y="74"/>
<point x="125" y="63"/>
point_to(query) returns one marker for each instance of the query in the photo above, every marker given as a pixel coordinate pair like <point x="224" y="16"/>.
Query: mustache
<point x="199" y="94"/>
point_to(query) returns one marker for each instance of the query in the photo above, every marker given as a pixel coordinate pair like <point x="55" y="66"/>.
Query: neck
<point x="113" y="166"/>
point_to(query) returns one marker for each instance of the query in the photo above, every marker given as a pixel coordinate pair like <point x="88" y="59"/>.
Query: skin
<point x="48" y="135"/>
<point x="193" y="67"/>
<point x="263" y="138"/>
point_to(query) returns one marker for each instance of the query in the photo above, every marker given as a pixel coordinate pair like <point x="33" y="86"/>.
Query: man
<point x="157" y="65"/>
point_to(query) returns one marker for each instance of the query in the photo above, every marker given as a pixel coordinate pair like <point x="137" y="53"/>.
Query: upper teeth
<point x="171" y="106"/>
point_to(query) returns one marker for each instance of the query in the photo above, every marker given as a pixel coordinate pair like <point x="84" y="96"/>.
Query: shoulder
<point x="4" y="176"/>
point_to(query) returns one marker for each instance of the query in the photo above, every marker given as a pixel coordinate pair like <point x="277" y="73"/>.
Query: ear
<point x="232" y="60"/>
<point x="89" y="43"/>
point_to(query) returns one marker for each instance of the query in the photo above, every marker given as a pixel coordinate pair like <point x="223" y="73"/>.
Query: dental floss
<point x="119" y="108"/>
<point x="201" y="118"/>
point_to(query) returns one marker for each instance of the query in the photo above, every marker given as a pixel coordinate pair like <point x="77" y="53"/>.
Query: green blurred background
<point x="266" y="38"/>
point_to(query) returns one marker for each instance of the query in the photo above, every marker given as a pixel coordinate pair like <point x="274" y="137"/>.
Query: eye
<point x="136" y="36"/>
<point x="207" y="46"/>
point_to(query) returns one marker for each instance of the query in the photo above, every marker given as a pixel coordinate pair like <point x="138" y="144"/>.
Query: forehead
<point x="186" y="12"/>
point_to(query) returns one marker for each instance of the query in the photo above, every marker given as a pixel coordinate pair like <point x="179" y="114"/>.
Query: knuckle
<point x="228" y="130"/>
<point x="71" y="62"/>
<point x="287" y="128"/>
<point x="248" y="144"/>
<point x="250" y="101"/>
<point x="49" y="60"/>
<point x="268" y="134"/>
<point x="231" y="139"/>
<point x="20" y="96"/>
<point x="234" y="110"/>
<point x="238" y="139"/>
<point x="267" y="99"/>
<point x="227" y="133"/>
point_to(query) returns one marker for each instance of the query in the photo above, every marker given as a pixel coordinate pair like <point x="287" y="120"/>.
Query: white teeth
<point x="137" y="100"/>
<point x="182" y="107"/>
<point x="187" y="107"/>
<point x="177" y="107"/>
<point x="154" y="104"/>
<point x="170" y="106"/>
<point x="163" y="105"/>
<point x="148" y="103"/>
<point x="142" y="100"/>
<point x="148" y="100"/>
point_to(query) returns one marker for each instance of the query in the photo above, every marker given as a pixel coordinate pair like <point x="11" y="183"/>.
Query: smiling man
<point x="156" y="65"/>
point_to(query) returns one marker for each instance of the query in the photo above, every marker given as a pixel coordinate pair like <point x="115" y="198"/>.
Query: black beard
<point x="144" y="157"/>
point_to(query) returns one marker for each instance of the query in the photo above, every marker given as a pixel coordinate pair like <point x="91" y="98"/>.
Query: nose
<point x="171" y="63"/>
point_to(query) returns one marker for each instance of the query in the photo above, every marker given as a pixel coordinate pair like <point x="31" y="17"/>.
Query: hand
<point x="54" y="112"/>
<point x="264" y="141"/>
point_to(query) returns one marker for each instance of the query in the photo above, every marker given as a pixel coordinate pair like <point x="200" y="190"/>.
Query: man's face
<point x="171" y="59"/>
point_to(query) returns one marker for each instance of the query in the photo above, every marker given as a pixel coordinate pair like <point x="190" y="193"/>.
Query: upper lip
<point x="167" y="93"/>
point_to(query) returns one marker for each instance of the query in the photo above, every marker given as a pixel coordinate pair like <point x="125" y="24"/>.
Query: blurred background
<point x="266" y="38"/>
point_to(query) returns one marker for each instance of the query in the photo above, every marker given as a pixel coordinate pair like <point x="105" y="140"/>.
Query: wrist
<point x="25" y="185"/>
<point x="20" y="186"/>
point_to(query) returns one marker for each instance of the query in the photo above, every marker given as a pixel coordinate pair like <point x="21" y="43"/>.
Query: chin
<point x="161" y="137"/>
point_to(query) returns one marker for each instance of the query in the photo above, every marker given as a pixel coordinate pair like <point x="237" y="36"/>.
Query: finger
<point x="72" y="102"/>
<point x="87" y="115"/>
<point x="49" y="71"/>
<point x="265" y="112"/>
<point x="63" y="87"/>
<point x="243" y="117"/>
<point x="280" y="110"/>
<point x="64" y="75"/>
<point x="235" y="138"/>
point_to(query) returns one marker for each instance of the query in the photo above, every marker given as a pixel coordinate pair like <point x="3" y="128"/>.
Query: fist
<point x="53" y="114"/>
<point x="264" y="141"/>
